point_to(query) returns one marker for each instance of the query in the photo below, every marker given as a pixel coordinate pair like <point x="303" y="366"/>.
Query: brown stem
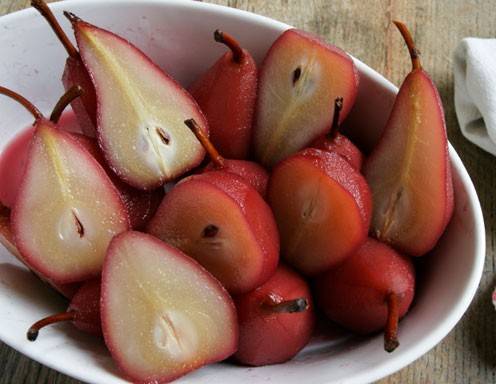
<point x="414" y="52"/>
<point x="215" y="156"/>
<point x="71" y="17"/>
<point x="391" y="332"/>
<point x="231" y="42"/>
<point x="45" y="11"/>
<point x="32" y="333"/>
<point x="74" y="92"/>
<point x="286" y="306"/>
<point x="338" y="106"/>
<point x="23" y="101"/>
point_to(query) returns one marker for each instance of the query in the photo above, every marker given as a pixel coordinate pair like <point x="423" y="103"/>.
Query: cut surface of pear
<point x="409" y="171"/>
<point x="67" y="209"/>
<point x="140" y="111"/>
<point x="301" y="76"/>
<point x="7" y="240"/>
<point x="163" y="315"/>
<point x="221" y="221"/>
<point x="322" y="207"/>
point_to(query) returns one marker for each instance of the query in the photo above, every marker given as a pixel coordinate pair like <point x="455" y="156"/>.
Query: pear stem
<point x="33" y="331"/>
<point x="215" y="156"/>
<point x="71" y="17"/>
<point x="338" y="106"/>
<point x="407" y="36"/>
<point x="46" y="12"/>
<point x="286" y="306"/>
<point x="23" y="101"/>
<point x="73" y="93"/>
<point x="231" y="42"/>
<point x="391" y="332"/>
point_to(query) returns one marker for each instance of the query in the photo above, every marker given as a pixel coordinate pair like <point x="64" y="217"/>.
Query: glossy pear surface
<point x="322" y="207"/>
<point x="163" y="315"/>
<point x="67" y="209"/>
<point x="222" y="222"/>
<point x="300" y="78"/>
<point x="141" y="111"/>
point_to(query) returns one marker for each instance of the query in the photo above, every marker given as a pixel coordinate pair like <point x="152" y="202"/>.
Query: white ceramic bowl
<point x="177" y="35"/>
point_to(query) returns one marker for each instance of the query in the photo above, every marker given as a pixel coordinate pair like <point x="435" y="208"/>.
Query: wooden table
<point x="363" y="27"/>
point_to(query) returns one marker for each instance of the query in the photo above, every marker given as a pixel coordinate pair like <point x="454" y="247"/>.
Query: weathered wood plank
<point x="364" y="28"/>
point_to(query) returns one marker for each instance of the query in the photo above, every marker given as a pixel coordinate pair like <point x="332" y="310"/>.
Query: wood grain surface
<point x="363" y="28"/>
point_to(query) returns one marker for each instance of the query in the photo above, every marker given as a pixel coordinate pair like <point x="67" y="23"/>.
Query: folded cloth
<point x="475" y="91"/>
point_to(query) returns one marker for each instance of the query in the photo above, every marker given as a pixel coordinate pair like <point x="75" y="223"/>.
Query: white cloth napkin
<point x="475" y="91"/>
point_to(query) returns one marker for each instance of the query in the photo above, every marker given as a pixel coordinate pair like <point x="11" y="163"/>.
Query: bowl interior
<point x="178" y="36"/>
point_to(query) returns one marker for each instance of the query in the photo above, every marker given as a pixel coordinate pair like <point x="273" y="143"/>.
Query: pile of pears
<point x="270" y="213"/>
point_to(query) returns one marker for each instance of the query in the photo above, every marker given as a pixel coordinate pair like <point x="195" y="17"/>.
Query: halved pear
<point x="163" y="315"/>
<point x="301" y="76"/>
<point x="409" y="170"/>
<point x="322" y="206"/>
<point x="67" y="209"/>
<point x="222" y="222"/>
<point x="140" y="110"/>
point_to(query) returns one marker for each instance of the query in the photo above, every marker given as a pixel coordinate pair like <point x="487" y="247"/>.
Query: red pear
<point x="253" y="173"/>
<point x="322" y="206"/>
<point x="67" y="209"/>
<point x="83" y="311"/>
<point x="334" y="141"/>
<point x="74" y="74"/>
<point x="141" y="110"/>
<point x="409" y="171"/>
<point x="163" y="315"/>
<point x="276" y="320"/>
<point x="370" y="291"/>
<point x="223" y="223"/>
<point x="226" y="93"/>
<point x="300" y="78"/>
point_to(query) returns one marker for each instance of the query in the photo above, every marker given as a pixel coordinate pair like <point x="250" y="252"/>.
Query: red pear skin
<point x="251" y="172"/>
<point x="74" y="74"/>
<point x="12" y="164"/>
<point x="84" y="107"/>
<point x="276" y="320"/>
<point x="78" y="255"/>
<point x="322" y="206"/>
<point x="334" y="141"/>
<point x="6" y="235"/>
<point x="140" y="110"/>
<point x="163" y="315"/>
<point x="355" y="294"/>
<point x="409" y="170"/>
<point x="221" y="221"/>
<point x="83" y="311"/>
<point x="226" y="93"/>
<point x="343" y="146"/>
<point x="300" y="78"/>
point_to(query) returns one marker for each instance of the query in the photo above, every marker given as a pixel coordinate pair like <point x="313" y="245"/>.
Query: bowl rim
<point x="395" y="362"/>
